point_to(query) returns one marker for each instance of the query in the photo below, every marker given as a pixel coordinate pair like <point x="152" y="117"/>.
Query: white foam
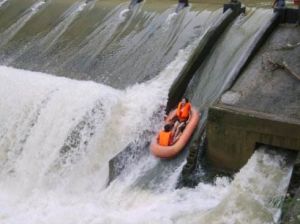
<point x="39" y="115"/>
<point x="42" y="109"/>
<point x="2" y="2"/>
<point x="37" y="5"/>
<point x="255" y="195"/>
<point x="35" y="191"/>
<point x="170" y="17"/>
<point x="123" y="14"/>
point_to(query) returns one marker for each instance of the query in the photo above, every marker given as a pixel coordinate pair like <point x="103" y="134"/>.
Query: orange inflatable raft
<point x="173" y="150"/>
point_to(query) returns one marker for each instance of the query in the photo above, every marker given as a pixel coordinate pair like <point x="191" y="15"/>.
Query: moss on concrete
<point x="291" y="206"/>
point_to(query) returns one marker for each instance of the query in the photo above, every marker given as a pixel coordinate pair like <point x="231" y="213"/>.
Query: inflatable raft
<point x="173" y="150"/>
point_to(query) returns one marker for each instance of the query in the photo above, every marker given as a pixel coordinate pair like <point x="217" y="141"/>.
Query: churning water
<point x="58" y="134"/>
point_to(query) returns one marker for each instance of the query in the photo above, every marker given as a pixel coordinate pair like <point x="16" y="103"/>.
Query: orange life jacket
<point x="165" y="138"/>
<point x="183" y="112"/>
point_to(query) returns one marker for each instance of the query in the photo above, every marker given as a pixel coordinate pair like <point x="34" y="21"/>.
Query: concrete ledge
<point x="233" y="134"/>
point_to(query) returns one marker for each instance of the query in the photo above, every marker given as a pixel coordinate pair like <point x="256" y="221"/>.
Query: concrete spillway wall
<point x="262" y="107"/>
<point x="234" y="134"/>
<point x="209" y="39"/>
<point x="226" y="77"/>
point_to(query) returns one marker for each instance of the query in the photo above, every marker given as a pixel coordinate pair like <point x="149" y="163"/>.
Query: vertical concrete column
<point x="133" y="3"/>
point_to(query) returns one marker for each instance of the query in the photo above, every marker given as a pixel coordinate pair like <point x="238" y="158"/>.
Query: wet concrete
<point x="262" y="107"/>
<point x="268" y="84"/>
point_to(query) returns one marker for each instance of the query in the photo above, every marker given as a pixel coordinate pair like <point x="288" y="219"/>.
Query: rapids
<point x="81" y="80"/>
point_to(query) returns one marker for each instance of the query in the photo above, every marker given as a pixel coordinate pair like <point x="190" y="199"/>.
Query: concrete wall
<point x="262" y="106"/>
<point x="233" y="134"/>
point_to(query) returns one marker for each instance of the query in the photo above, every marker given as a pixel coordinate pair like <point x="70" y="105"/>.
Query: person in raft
<point x="165" y="137"/>
<point x="182" y="116"/>
<point x="172" y="131"/>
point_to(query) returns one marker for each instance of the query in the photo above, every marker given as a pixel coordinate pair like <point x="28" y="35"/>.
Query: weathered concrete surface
<point x="266" y="85"/>
<point x="233" y="134"/>
<point x="263" y="106"/>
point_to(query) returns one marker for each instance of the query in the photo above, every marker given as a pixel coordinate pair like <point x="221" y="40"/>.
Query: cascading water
<point x="62" y="129"/>
<point x="213" y="76"/>
<point x="66" y="20"/>
<point x="37" y="48"/>
<point x="256" y="193"/>
<point x="2" y="2"/>
<point x="12" y="30"/>
<point x="36" y="186"/>
<point x="58" y="134"/>
<point x="147" y="39"/>
<point x="211" y="79"/>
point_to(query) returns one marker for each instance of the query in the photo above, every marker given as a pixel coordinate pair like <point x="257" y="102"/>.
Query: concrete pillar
<point x="234" y="5"/>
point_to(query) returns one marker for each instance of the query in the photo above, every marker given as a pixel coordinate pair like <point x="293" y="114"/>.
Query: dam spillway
<point x="122" y="37"/>
<point x="267" y="93"/>
<point x="111" y="72"/>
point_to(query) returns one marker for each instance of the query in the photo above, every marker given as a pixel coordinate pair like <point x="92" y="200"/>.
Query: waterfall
<point x="69" y="103"/>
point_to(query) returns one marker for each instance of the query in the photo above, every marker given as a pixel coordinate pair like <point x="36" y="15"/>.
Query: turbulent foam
<point x="243" y="200"/>
<point x="255" y="195"/>
<point x="41" y="183"/>
<point x="57" y="136"/>
<point x="66" y="115"/>
<point x="55" y="130"/>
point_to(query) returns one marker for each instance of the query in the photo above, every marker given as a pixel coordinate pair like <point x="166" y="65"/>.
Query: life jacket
<point x="183" y="112"/>
<point x="165" y="138"/>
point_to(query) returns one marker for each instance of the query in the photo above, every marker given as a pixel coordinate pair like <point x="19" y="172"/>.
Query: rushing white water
<point x="35" y="192"/>
<point x="9" y="33"/>
<point x="29" y="114"/>
<point x="2" y="2"/>
<point x="57" y="136"/>
<point x="255" y="195"/>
